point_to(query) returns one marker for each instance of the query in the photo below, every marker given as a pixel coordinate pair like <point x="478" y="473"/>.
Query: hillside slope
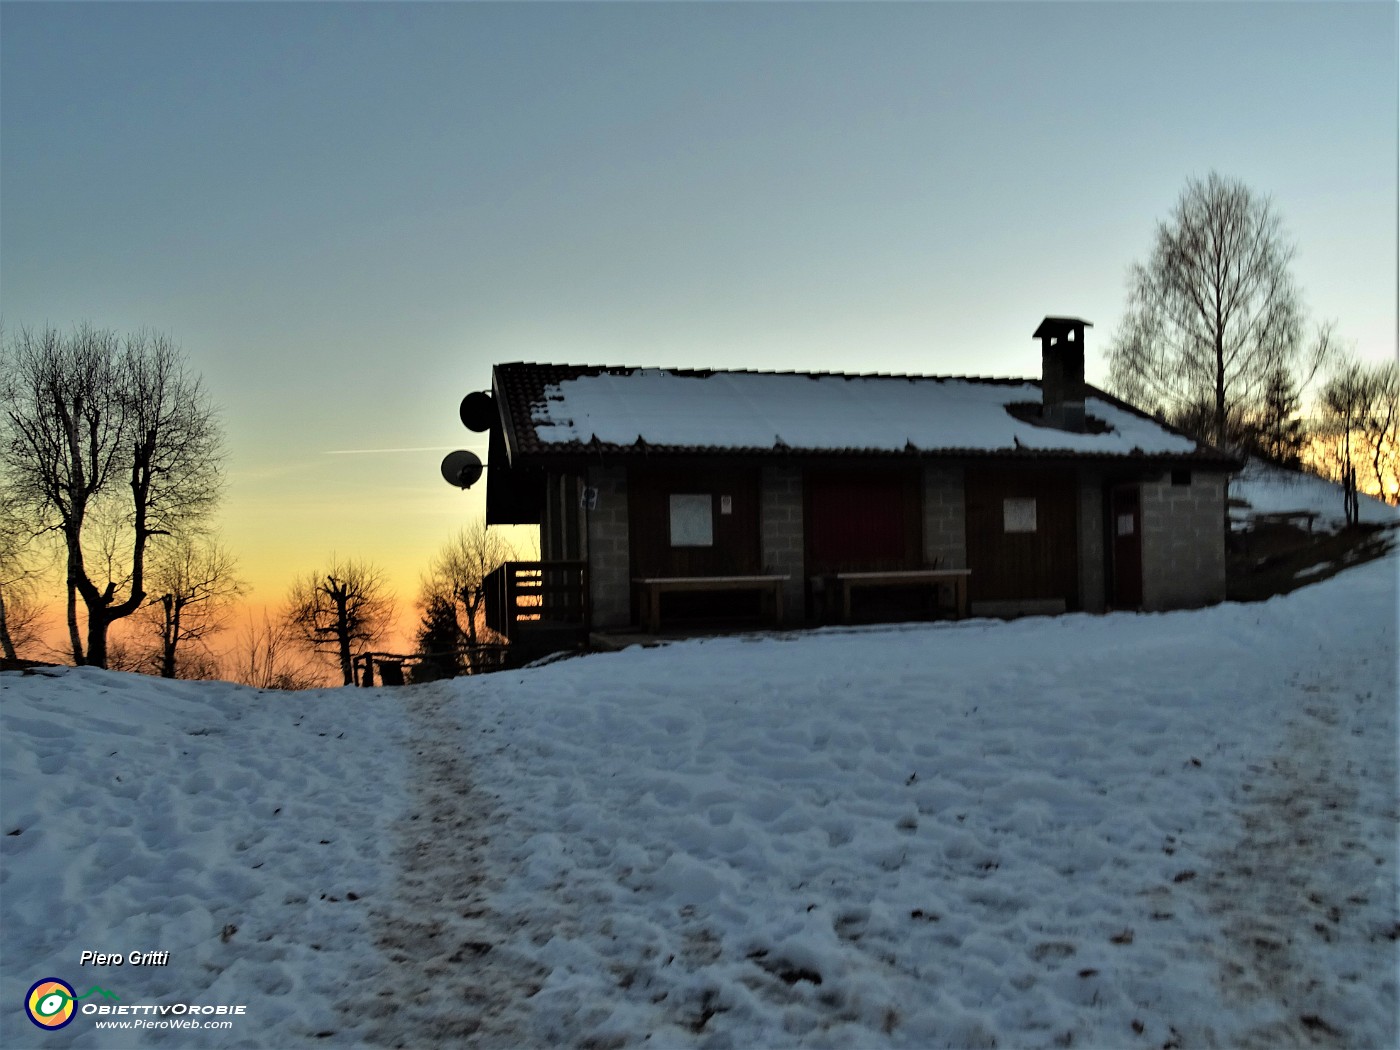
<point x="1129" y="830"/>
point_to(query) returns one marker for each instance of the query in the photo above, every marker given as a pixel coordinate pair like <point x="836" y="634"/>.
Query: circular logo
<point x="49" y="1003"/>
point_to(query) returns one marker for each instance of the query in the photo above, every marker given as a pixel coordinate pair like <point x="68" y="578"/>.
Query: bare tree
<point x="1360" y="410"/>
<point x="1382" y="426"/>
<point x="192" y="583"/>
<point x="21" y="620"/>
<point x="126" y="653"/>
<point x="263" y="656"/>
<point x="1213" y="316"/>
<point x="1344" y="404"/>
<point x="458" y="571"/>
<point x="342" y="611"/>
<point x="105" y="435"/>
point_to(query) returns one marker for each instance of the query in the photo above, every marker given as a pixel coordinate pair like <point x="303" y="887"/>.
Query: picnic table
<point x="653" y="587"/>
<point x="1288" y="517"/>
<point x="849" y="582"/>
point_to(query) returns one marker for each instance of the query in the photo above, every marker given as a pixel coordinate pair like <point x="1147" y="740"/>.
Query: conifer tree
<point x="440" y="641"/>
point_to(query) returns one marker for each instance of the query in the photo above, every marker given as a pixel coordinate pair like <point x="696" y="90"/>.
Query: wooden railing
<point x="540" y="602"/>
<point x="371" y="669"/>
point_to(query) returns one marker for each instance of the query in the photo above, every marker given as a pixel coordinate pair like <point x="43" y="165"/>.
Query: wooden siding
<point x="736" y="537"/>
<point x="1026" y="566"/>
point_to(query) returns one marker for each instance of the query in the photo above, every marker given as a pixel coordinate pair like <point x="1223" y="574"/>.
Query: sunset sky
<point x="344" y="214"/>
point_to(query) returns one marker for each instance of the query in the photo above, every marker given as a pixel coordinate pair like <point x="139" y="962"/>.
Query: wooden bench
<point x="848" y="582"/>
<point x="653" y="587"/>
<point x="1288" y="517"/>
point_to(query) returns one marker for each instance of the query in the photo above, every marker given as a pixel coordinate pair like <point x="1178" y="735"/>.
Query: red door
<point x="862" y="521"/>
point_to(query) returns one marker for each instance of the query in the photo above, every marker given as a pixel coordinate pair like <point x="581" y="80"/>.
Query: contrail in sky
<point x="376" y="451"/>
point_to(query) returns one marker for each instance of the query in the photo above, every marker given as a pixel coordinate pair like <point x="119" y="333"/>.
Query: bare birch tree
<point x="1213" y="316"/>
<point x="111" y="436"/>
<point x="343" y="611"/>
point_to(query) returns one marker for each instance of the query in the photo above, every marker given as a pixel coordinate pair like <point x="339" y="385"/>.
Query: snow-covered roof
<point x="558" y="409"/>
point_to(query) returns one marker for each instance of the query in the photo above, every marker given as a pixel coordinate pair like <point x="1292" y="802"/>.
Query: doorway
<point x="1125" y="546"/>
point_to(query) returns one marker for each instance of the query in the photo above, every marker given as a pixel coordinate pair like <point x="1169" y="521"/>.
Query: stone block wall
<point x="780" y="532"/>
<point x="945" y="517"/>
<point x="1183" y="542"/>
<point x="610" y="562"/>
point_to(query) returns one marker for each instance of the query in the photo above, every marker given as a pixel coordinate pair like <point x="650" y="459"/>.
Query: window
<point x="692" y="520"/>
<point x="1018" y="514"/>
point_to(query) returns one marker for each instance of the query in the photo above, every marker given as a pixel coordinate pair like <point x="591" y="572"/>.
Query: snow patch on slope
<point x="1268" y="489"/>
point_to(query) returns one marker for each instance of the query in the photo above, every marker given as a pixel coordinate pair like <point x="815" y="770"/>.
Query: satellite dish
<point x="462" y="469"/>
<point x="478" y="411"/>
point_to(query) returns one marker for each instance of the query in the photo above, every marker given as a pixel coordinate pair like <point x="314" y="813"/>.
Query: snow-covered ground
<point x="248" y="834"/>
<point x="1273" y="490"/>
<point x="1114" y="831"/>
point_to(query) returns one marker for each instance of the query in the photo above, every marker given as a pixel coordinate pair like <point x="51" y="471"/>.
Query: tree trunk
<point x="347" y="666"/>
<point x="1351" y="503"/>
<point x="1219" y="385"/>
<point x="170" y="635"/>
<point x="473" y="607"/>
<point x="74" y="639"/>
<point x="97" y="637"/>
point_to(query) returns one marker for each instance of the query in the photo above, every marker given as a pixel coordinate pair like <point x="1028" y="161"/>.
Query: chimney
<point x="1062" y="371"/>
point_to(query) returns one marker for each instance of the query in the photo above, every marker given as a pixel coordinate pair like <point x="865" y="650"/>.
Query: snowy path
<point x="1148" y="831"/>
<point x="447" y="980"/>
<point x="1300" y="875"/>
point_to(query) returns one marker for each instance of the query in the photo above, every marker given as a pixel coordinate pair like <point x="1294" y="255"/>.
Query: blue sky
<point x="346" y="213"/>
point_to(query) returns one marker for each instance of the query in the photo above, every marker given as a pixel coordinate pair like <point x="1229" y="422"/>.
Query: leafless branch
<point x="110" y="441"/>
<point x="342" y="611"/>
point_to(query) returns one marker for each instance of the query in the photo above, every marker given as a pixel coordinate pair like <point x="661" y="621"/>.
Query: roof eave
<point x="577" y="452"/>
<point x="507" y="423"/>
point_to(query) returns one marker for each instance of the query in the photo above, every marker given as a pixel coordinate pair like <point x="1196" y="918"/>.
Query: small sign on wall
<point x="726" y="504"/>
<point x="1018" y="514"/>
<point x="1125" y="524"/>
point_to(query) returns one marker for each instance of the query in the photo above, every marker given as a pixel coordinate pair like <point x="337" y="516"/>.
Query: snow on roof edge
<point x="623" y="406"/>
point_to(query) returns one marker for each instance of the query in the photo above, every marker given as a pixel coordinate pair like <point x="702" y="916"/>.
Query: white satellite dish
<point x="461" y="469"/>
